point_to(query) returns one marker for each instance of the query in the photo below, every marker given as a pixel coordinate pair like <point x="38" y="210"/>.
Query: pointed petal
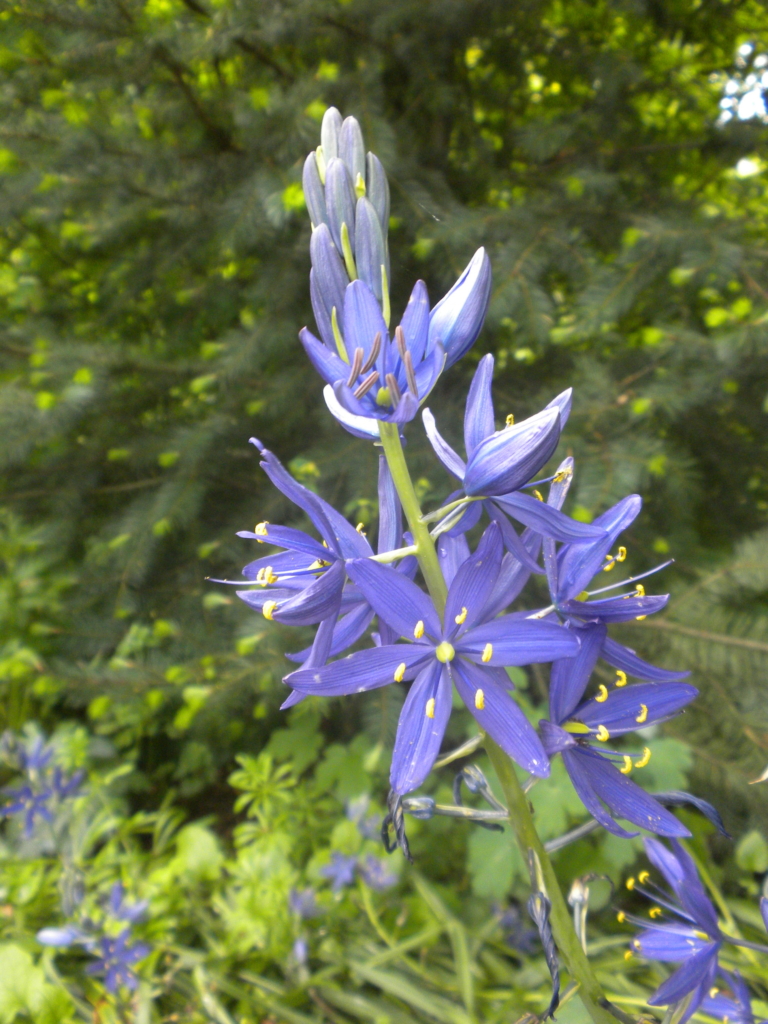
<point x="339" y="201"/>
<point x="346" y="632"/>
<point x="509" y="458"/>
<point x="479" y="420"/>
<point x="458" y="317"/>
<point x="329" y="133"/>
<point x="452" y="462"/>
<point x="390" y="518"/>
<point x="415" y="322"/>
<point x="563" y="404"/>
<point x="330" y="277"/>
<point x="419" y="736"/>
<point x="615" y="609"/>
<point x="522" y="552"/>
<point x="361" y="426"/>
<point x="558" y="489"/>
<point x="473" y="583"/>
<point x="512" y="578"/>
<point x="665" y="944"/>
<point x="692" y="895"/>
<point x="451" y="552"/>
<point x="363" y="670"/>
<point x="351" y="148"/>
<point x="377" y="190"/>
<point x="369" y="246"/>
<point x="518" y="642"/>
<point x="394" y="598"/>
<point x="362" y="319"/>
<point x="624" y="658"/>
<point x="256" y="599"/>
<point x="499" y="715"/>
<point x="546" y="520"/>
<point x="314" y="193"/>
<point x="428" y="371"/>
<point x="327" y="363"/>
<point x="619" y="713"/>
<point x="318" y="601"/>
<point x="470" y="517"/>
<point x="285" y="563"/>
<point x="580" y="776"/>
<point x="696" y="969"/>
<point x="569" y="678"/>
<point x="293" y="540"/>
<point x="577" y="564"/>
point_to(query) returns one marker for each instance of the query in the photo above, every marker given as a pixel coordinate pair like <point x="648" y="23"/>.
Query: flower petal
<point x="619" y="712"/>
<point x="518" y="642"/>
<point x="512" y="578"/>
<point x="473" y="584"/>
<point x="458" y="317"/>
<point x="340" y="201"/>
<point x="361" y="426"/>
<point x="578" y="769"/>
<point x="499" y="715"/>
<point x="395" y="598"/>
<point x="578" y="564"/>
<point x="415" y="323"/>
<point x="479" y="420"/>
<point x="569" y="678"/>
<point x="451" y="552"/>
<point x="624" y="658"/>
<point x="363" y="670"/>
<point x="293" y="540"/>
<point x="377" y="190"/>
<point x="314" y="193"/>
<point x="327" y="282"/>
<point x="284" y="563"/>
<point x="509" y="458"/>
<point x="452" y="462"/>
<point x="670" y="945"/>
<point x="346" y="631"/>
<point x="615" y="609"/>
<point x="546" y="520"/>
<point x="362" y="319"/>
<point x="524" y="553"/>
<point x="390" y="517"/>
<point x="326" y="362"/>
<point x="700" y="967"/>
<point x="351" y="148"/>
<point x="329" y="133"/>
<point x="369" y="246"/>
<point x="420" y="734"/>
<point x="316" y="602"/>
<point x="563" y="403"/>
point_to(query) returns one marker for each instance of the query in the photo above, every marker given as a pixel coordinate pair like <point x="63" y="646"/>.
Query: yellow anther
<point x="538" y="495"/>
<point x="260" y="529"/>
<point x="630" y="883"/>
<point x="611" y="563"/>
<point x="487" y="652"/>
<point x="461" y="617"/>
<point x="479" y="700"/>
<point x="318" y="564"/>
<point x="643" y="714"/>
<point x="602" y="733"/>
<point x="643" y="877"/>
<point x="265" y="576"/>
<point x="602" y="695"/>
<point x="582" y="596"/>
<point x="268" y="610"/>
<point x="654" y="912"/>
<point x="643" y="761"/>
<point x="622" y="554"/>
<point x="639" y="618"/>
<point x="360" y="529"/>
<point x="418" y="630"/>
<point x="430" y="708"/>
<point x="400" y="672"/>
<point x="621" y="917"/>
<point x="510" y="420"/>
<point x="444" y="652"/>
<point x="628" y="954"/>
<point x="640" y="590"/>
<point x="621" y="677"/>
<point x="325" y="543"/>
<point x="713" y="991"/>
<point x="627" y="765"/>
<point x="558" y="478"/>
<point x="577" y="727"/>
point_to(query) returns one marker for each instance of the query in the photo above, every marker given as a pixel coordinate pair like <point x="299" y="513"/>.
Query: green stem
<point x="590" y="992"/>
<point x="425" y="547"/>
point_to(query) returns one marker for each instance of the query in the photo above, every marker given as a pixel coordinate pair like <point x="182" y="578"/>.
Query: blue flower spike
<point x="465" y="649"/>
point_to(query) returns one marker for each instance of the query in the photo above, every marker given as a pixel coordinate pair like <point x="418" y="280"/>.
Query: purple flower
<point x="735" y="1008"/>
<point x="500" y="462"/>
<point x="457" y="319"/>
<point x="123" y="911"/>
<point x="35" y="754"/>
<point x="340" y="871"/>
<point x="579" y="730"/>
<point x="115" y="959"/>
<point x="687" y="934"/>
<point x="467" y="649"/>
<point x="32" y="805"/>
<point x="67" y="935"/>
<point x="377" y="874"/>
<point x="301" y="951"/>
<point x="302" y="902"/>
<point x="368" y="827"/>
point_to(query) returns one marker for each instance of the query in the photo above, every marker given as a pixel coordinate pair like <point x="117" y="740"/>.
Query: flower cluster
<point x="45" y="786"/>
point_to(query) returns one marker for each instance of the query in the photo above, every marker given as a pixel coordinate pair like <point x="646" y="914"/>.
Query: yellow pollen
<point x="510" y="420"/>
<point x="260" y="529"/>
<point x="268" y="610"/>
<point x="266" y="575"/>
<point x="602" y="695"/>
<point x="644" y="759"/>
<point x="628" y="954"/>
<point x="318" y="564"/>
<point x="360" y="529"/>
<point x="479" y="700"/>
<point x="622" y="554"/>
<point x="418" y="630"/>
<point x="630" y="883"/>
<point x="611" y="563"/>
<point x="325" y="543"/>
<point x="487" y="652"/>
<point x="461" y="617"/>
<point x="654" y="912"/>
<point x="538" y="495"/>
<point x="643" y="877"/>
<point x="627" y="765"/>
<point x="639" y="618"/>
<point x="602" y="733"/>
<point x="640" y="590"/>
<point x="430" y="709"/>
<point x="621" y="917"/>
<point x="561" y="476"/>
<point x="635" y="945"/>
<point x="582" y="596"/>
<point x="713" y="991"/>
<point x="621" y="677"/>
<point x="643" y="715"/>
<point x="444" y="652"/>
<point x="400" y="672"/>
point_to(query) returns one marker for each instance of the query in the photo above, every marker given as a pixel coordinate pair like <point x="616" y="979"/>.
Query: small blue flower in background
<point x="303" y="903"/>
<point x="340" y="871"/>
<point x="301" y="951"/>
<point x="115" y="957"/>
<point x="31" y="805"/>
<point x="735" y="1008"/>
<point x="377" y="874"/>
<point x="47" y="786"/>
<point x="369" y="827"/>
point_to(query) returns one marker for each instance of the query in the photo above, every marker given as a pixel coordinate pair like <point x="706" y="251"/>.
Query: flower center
<point x="444" y="652"/>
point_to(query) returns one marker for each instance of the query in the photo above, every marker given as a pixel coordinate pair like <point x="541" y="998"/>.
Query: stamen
<point x="402" y="348"/>
<point x="643" y="715"/>
<point x="360" y="529"/>
<point x="621" y="917"/>
<point x="260" y="529"/>
<point x="628" y="954"/>
<point x="394" y="388"/>
<point x="602" y="734"/>
<point x="510" y="420"/>
<point x="631" y="579"/>
<point x="418" y="630"/>
<point x="319" y="564"/>
<point x="640" y="590"/>
<point x="602" y="695"/>
<point x="630" y="883"/>
<point x="713" y="991"/>
<point x="367" y="384"/>
<point x="563" y="475"/>
<point x="621" y="677"/>
<point x="538" y="495"/>
<point x="410" y="375"/>
<point x="461" y="617"/>
<point x="373" y="355"/>
<point x="268" y="610"/>
<point x="357" y="365"/>
<point x="444" y="652"/>
<point x="627" y="765"/>
<point x="430" y="709"/>
<point x="643" y="877"/>
<point x="644" y="759"/>
<point x="654" y="912"/>
<point x="639" y="618"/>
<point x="400" y="672"/>
<point x="479" y="700"/>
<point x="487" y="653"/>
<point x="611" y="563"/>
<point x="622" y="554"/>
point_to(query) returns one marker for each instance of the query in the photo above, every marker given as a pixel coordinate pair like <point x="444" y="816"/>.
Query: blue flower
<point x="116" y="956"/>
<point x="735" y="1008"/>
<point x="500" y="462"/>
<point x="340" y="871"/>
<point x="687" y="934"/>
<point x="575" y="724"/>
<point x="303" y="903"/>
<point x="122" y="910"/>
<point x="457" y="319"/>
<point x="31" y="804"/>
<point x="377" y="874"/>
<point x="467" y="649"/>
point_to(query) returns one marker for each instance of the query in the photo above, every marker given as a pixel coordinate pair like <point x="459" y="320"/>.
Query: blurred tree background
<point x="612" y="155"/>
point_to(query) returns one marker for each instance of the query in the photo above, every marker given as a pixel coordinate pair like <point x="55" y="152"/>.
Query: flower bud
<point x="351" y="148"/>
<point x="314" y="193"/>
<point x="378" y="191"/>
<point x="329" y="134"/>
<point x="340" y="201"/>
<point x="509" y="458"/>
<point x="458" y="317"/>
<point x="369" y="246"/>
<point x="327" y="282"/>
